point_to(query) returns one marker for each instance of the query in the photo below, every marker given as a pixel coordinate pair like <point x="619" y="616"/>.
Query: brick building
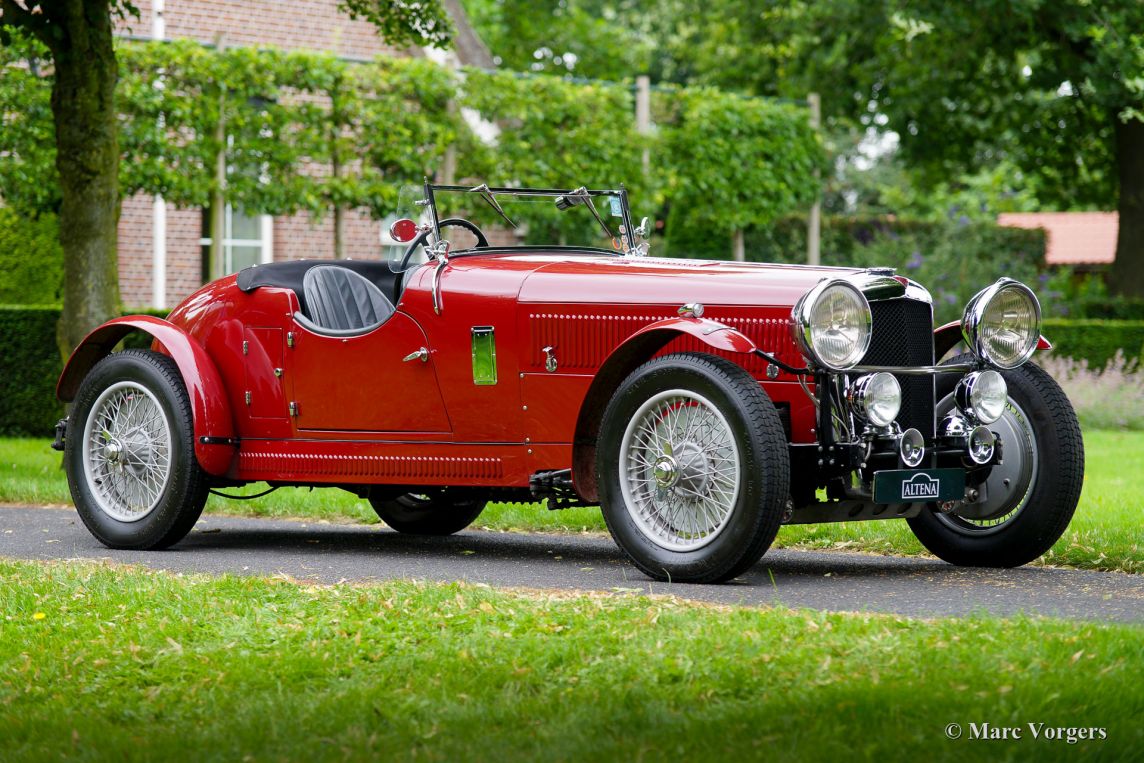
<point x="161" y="248"/>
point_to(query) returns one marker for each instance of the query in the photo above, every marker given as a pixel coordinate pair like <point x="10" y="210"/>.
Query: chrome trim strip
<point x="916" y="370"/>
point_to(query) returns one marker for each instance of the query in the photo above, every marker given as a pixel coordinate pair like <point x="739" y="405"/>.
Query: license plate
<point x="919" y="485"/>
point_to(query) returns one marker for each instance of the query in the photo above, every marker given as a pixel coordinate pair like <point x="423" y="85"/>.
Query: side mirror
<point x="644" y="231"/>
<point x="403" y="230"/>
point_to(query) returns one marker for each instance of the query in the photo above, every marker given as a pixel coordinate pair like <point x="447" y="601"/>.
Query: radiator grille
<point x="903" y="336"/>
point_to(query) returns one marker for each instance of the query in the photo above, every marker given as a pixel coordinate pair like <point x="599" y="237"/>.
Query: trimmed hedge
<point x="1094" y="340"/>
<point x="31" y="259"/>
<point x="30" y="364"/>
<point x="29" y="367"/>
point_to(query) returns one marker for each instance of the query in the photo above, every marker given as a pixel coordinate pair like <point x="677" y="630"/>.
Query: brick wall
<point x="135" y="251"/>
<point x="297" y="24"/>
<point x="299" y="237"/>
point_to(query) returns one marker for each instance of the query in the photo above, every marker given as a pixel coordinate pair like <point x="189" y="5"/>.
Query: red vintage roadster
<point x="700" y="404"/>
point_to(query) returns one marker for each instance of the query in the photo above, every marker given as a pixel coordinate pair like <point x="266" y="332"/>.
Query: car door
<point x="383" y="381"/>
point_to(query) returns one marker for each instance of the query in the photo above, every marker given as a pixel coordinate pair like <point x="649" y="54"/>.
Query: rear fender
<point x="635" y="350"/>
<point x="946" y="337"/>
<point x="215" y="443"/>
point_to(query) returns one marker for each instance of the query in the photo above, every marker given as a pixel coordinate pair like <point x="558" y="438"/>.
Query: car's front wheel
<point x="693" y="468"/>
<point x="129" y="453"/>
<point x="1030" y="497"/>
<point x="440" y="512"/>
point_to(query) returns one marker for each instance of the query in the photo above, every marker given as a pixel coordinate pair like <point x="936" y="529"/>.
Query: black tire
<point x="436" y="513"/>
<point x="750" y="514"/>
<point x="101" y="492"/>
<point x="1034" y="517"/>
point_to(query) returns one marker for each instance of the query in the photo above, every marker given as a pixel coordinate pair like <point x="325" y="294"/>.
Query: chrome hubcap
<point x="666" y="472"/>
<point x="679" y="470"/>
<point x="127" y="452"/>
<point x="111" y="452"/>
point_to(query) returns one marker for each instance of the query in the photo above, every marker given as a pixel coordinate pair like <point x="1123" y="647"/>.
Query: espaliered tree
<point x="558" y="134"/>
<point x="310" y="132"/>
<point x="79" y="35"/>
<point x="732" y="163"/>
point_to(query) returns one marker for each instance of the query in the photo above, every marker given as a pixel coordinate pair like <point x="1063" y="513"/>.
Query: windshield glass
<point x="520" y="217"/>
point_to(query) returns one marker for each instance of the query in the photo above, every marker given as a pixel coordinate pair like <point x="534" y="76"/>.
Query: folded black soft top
<point x="289" y="275"/>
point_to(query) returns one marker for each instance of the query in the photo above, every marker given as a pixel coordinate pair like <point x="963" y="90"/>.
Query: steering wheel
<point x="450" y="222"/>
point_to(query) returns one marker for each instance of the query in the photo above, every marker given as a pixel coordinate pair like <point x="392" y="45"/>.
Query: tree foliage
<point x="423" y="22"/>
<point x="737" y="162"/>
<point x="27" y="145"/>
<point x="1050" y="92"/>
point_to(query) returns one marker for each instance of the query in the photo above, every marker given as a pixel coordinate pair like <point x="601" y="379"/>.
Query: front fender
<point x="636" y="349"/>
<point x="214" y="424"/>
<point x="946" y="337"/>
<point x="712" y="333"/>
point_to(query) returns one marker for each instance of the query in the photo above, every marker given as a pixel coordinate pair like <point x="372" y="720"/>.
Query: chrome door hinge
<point x="293" y="408"/>
<point x="249" y="397"/>
<point x="289" y="338"/>
<point x="245" y="347"/>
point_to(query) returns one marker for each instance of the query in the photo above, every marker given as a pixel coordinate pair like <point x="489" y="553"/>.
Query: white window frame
<point x="265" y="242"/>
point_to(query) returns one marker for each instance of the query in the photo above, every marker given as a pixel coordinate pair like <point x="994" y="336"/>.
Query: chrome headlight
<point x="982" y="395"/>
<point x="877" y="398"/>
<point x="1002" y="323"/>
<point x="832" y="324"/>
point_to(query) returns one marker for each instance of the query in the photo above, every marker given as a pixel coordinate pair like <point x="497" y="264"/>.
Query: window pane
<point x="244" y="256"/>
<point x="245" y="227"/>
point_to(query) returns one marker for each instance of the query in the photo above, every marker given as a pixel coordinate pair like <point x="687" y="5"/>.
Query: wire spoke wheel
<point x="437" y="512"/>
<point x="680" y="470"/>
<point x="692" y="468"/>
<point x="127" y="451"/>
<point x="1030" y="495"/>
<point x="130" y="455"/>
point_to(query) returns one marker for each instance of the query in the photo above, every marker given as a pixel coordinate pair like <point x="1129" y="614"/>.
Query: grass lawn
<point x="1106" y="532"/>
<point x="100" y="662"/>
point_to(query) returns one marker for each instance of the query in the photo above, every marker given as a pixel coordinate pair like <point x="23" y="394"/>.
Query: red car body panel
<point x="315" y="409"/>
<point x="213" y="424"/>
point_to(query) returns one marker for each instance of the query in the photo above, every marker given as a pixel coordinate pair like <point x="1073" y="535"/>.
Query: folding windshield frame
<point x="627" y="235"/>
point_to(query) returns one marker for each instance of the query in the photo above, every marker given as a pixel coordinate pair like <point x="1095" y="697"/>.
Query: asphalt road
<point x="330" y="553"/>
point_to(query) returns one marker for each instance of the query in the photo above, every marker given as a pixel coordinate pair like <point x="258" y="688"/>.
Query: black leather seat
<point x="339" y="302"/>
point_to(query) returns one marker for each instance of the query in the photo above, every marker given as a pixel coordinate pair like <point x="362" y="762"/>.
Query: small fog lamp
<point x="982" y="395"/>
<point x="876" y="398"/>
<point x="981" y="445"/>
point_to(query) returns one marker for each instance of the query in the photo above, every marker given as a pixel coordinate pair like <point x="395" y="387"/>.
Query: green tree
<point x="79" y="36"/>
<point x="557" y="134"/>
<point x="733" y="162"/>
<point x="1053" y="89"/>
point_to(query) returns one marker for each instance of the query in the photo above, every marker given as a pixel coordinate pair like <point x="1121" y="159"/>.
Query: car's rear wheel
<point x="130" y="454"/>
<point x="1030" y="497"/>
<point x="437" y="512"/>
<point x="693" y="468"/>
